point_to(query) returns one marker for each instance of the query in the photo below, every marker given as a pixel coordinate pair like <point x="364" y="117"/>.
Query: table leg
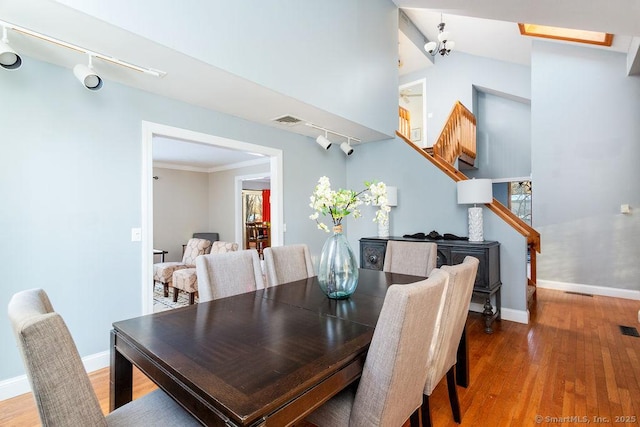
<point x="462" y="364"/>
<point x="121" y="378"/>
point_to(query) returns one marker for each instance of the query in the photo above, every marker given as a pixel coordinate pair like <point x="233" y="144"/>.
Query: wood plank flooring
<point x="571" y="364"/>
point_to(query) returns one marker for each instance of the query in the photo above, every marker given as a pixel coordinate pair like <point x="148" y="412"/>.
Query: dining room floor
<point x="570" y="364"/>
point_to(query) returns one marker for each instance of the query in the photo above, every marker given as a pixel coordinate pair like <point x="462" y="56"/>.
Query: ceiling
<point x="479" y="28"/>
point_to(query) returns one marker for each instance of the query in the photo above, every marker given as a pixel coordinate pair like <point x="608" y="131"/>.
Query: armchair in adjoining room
<point x="163" y="272"/>
<point x="187" y="279"/>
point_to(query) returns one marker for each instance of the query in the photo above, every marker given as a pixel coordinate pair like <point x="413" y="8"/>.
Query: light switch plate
<point x="136" y="234"/>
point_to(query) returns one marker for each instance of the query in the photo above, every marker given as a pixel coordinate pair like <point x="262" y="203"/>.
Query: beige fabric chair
<point x="392" y="379"/>
<point x="163" y="272"/>
<point x="187" y="279"/>
<point x="61" y="387"/>
<point x="227" y="274"/>
<point x="416" y="258"/>
<point x="457" y="301"/>
<point x="287" y="264"/>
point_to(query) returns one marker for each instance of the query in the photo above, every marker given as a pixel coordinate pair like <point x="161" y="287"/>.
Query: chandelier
<point x="444" y="45"/>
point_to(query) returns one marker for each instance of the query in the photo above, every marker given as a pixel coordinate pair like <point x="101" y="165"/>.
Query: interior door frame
<point x="151" y="130"/>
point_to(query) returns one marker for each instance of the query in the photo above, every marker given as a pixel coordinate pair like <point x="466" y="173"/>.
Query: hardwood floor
<point x="571" y="364"/>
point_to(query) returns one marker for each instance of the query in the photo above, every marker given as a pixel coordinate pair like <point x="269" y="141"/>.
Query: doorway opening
<point x="151" y="130"/>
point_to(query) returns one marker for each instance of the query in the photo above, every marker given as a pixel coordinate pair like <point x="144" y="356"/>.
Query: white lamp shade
<point x="430" y="47"/>
<point x="444" y="36"/>
<point x="473" y="191"/>
<point x="451" y="44"/>
<point x="392" y="196"/>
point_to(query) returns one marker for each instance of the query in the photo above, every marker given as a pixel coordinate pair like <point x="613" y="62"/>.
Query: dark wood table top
<point x="247" y="358"/>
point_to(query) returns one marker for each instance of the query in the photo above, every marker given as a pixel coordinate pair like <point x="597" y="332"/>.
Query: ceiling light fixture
<point x="53" y="40"/>
<point x="9" y="59"/>
<point x="444" y="46"/>
<point x="87" y="76"/>
<point x="346" y="147"/>
<point x="325" y="143"/>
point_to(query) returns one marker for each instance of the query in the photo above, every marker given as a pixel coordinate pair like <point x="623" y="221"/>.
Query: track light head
<point x="87" y="76"/>
<point x="346" y="147"/>
<point x="9" y="59"/>
<point x="324" y="142"/>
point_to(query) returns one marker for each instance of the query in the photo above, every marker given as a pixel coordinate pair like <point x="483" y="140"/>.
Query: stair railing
<point x="458" y="136"/>
<point x="404" y="124"/>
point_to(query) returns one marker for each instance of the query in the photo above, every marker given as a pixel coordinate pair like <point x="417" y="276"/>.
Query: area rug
<point x="160" y="303"/>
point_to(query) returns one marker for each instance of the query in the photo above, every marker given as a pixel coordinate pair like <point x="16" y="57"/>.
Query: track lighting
<point x="9" y="59"/>
<point x="346" y="147"/>
<point x="323" y="141"/>
<point x="87" y="76"/>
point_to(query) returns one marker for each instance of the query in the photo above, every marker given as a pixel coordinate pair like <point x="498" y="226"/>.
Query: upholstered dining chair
<point x="61" y="387"/>
<point x="187" y="279"/>
<point x="392" y="379"/>
<point x="163" y="271"/>
<point x="287" y="263"/>
<point x="416" y="258"/>
<point x="227" y="274"/>
<point x="457" y="301"/>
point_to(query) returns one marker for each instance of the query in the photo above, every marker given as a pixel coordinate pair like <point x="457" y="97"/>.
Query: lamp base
<point x="475" y="225"/>
<point x="383" y="228"/>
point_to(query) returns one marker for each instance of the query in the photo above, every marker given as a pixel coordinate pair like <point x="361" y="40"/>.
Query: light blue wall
<point x="70" y="186"/>
<point x="453" y="79"/>
<point x="503" y="138"/>
<point x="585" y="138"/>
<point x="332" y="54"/>
<point x="427" y="201"/>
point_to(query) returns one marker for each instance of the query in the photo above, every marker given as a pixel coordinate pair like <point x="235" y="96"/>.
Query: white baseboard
<point x="16" y="386"/>
<point x="590" y="289"/>
<point x="518" y="316"/>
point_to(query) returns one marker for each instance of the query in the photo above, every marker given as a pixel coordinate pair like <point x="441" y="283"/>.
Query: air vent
<point x="629" y="330"/>
<point x="579" y="293"/>
<point x="287" y="120"/>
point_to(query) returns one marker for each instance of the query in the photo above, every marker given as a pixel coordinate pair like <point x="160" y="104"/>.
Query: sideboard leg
<point x="488" y="316"/>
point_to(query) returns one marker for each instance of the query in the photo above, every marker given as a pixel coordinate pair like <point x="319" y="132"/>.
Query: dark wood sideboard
<point x="450" y="252"/>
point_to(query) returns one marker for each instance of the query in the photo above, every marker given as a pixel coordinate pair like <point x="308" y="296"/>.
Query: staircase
<point x="457" y="142"/>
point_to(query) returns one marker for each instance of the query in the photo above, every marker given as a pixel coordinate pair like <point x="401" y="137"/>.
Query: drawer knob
<point x="373" y="259"/>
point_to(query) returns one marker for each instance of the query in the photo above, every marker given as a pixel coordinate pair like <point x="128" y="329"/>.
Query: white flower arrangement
<point x="342" y="203"/>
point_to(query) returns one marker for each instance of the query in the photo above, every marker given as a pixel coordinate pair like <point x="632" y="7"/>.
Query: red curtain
<point x="266" y="205"/>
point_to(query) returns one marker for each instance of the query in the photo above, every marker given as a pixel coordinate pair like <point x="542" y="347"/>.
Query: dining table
<point x="268" y="357"/>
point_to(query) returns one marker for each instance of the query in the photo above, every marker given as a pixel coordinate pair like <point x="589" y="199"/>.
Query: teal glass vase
<point x="338" y="269"/>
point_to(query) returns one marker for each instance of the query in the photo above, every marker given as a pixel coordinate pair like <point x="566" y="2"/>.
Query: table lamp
<point x="474" y="191"/>
<point x="392" y="200"/>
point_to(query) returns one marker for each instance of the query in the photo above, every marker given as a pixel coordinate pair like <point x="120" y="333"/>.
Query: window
<point x="567" y="34"/>
<point x="520" y="200"/>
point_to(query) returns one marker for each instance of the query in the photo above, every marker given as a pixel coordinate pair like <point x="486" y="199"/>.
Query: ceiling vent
<point x="287" y="120"/>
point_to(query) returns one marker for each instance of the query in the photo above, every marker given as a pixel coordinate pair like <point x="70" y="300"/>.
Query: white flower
<point x="342" y="203"/>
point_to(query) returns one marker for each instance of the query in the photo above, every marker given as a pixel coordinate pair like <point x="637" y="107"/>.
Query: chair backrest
<point x="212" y="237"/>
<point x="417" y="258"/>
<point x="223" y="247"/>
<point x="60" y="385"/>
<point x="457" y="301"/>
<point x="195" y="248"/>
<point x="287" y="263"/>
<point x="391" y="385"/>
<point x="227" y="274"/>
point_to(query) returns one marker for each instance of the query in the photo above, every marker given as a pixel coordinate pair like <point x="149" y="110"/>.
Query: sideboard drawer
<point x="372" y="255"/>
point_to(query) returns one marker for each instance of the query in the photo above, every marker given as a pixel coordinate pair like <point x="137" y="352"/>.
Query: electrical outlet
<point x="136" y="234"/>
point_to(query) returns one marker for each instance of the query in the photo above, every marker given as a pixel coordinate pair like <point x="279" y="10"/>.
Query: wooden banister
<point x="458" y="136"/>
<point x="404" y="124"/>
<point x="533" y="237"/>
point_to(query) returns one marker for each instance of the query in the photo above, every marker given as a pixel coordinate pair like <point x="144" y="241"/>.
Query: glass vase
<point x="338" y="269"/>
